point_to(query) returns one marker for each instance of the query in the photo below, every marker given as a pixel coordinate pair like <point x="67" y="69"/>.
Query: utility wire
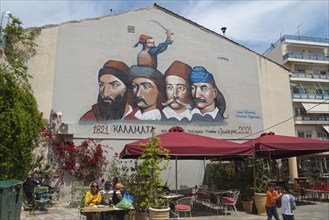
<point x="262" y="131"/>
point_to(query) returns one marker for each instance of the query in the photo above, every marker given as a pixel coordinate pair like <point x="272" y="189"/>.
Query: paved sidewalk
<point x="318" y="211"/>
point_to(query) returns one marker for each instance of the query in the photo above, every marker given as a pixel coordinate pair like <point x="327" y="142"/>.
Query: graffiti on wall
<point x="142" y="92"/>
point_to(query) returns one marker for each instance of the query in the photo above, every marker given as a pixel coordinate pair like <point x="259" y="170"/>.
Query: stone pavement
<point x="318" y="211"/>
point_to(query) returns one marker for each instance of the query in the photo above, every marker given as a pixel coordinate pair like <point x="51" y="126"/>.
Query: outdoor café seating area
<point x="203" y="200"/>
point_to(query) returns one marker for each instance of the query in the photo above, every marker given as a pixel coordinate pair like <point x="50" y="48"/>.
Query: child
<point x="271" y="197"/>
<point x="288" y="204"/>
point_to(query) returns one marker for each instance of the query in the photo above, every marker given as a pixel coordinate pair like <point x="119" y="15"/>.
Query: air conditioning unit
<point x="66" y="129"/>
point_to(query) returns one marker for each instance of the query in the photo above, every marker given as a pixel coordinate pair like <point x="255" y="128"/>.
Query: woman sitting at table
<point x="93" y="197"/>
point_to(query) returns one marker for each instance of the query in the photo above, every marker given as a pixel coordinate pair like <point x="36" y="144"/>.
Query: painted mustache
<point x="199" y="100"/>
<point x="140" y="99"/>
<point x="168" y="102"/>
<point x="107" y="99"/>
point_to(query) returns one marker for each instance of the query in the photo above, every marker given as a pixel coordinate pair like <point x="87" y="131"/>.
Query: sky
<point x="254" y="24"/>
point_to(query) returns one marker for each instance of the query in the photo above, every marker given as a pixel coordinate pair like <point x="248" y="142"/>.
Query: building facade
<point x="118" y="77"/>
<point x="308" y="60"/>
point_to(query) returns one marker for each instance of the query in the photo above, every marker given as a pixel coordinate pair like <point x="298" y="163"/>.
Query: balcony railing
<point x="309" y="96"/>
<point x="303" y="38"/>
<point x="308" y="117"/>
<point x="294" y="37"/>
<point x="311" y="75"/>
<point x="305" y="56"/>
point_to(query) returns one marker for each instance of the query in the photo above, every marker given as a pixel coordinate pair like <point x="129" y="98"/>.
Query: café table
<point x="98" y="210"/>
<point x="169" y="198"/>
<point x="219" y="194"/>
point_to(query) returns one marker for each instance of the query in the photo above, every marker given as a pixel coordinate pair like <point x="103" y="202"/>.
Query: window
<point x="300" y="70"/>
<point x="322" y="134"/>
<point x="300" y="111"/>
<point x="299" y="90"/>
<point x="304" y="133"/>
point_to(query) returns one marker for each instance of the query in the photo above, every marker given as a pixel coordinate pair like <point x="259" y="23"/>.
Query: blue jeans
<point x="272" y="211"/>
<point x="42" y="195"/>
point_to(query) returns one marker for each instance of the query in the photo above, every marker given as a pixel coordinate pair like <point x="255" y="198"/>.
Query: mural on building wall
<point x="142" y="92"/>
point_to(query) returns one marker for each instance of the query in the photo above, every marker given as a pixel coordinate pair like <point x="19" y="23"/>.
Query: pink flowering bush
<point x="86" y="161"/>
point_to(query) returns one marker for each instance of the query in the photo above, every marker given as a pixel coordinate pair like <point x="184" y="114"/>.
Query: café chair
<point x="185" y="205"/>
<point x="40" y="198"/>
<point x="202" y="195"/>
<point x="230" y="200"/>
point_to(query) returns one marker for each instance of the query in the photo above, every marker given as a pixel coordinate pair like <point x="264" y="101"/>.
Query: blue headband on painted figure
<point x="199" y="74"/>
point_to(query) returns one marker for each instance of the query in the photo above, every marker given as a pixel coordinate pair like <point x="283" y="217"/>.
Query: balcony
<point x="305" y="56"/>
<point x="303" y="38"/>
<point x="312" y="119"/>
<point x="309" y="96"/>
<point x="298" y="39"/>
<point x="313" y="75"/>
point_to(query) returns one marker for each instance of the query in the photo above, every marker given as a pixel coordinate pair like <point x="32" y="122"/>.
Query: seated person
<point x="35" y="179"/>
<point x="107" y="194"/>
<point x="42" y="205"/>
<point x="28" y="187"/>
<point x="114" y="182"/>
<point x="37" y="183"/>
<point x="116" y="198"/>
<point x="93" y="197"/>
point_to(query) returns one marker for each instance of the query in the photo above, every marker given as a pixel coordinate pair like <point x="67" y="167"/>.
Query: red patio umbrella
<point x="275" y="146"/>
<point x="183" y="145"/>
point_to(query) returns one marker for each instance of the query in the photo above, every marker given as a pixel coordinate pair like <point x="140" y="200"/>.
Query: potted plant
<point x="144" y="182"/>
<point x="246" y="198"/>
<point x="261" y="174"/>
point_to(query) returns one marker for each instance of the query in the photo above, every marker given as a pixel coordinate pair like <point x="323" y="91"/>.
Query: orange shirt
<point x="271" y="197"/>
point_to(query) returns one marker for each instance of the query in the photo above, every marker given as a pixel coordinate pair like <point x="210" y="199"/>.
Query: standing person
<point x="93" y="197"/>
<point x="271" y="197"/>
<point x="288" y="204"/>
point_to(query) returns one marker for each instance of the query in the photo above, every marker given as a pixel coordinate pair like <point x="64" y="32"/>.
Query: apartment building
<point x="308" y="60"/>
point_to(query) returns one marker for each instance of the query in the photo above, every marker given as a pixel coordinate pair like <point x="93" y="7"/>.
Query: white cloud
<point x="259" y="23"/>
<point x="254" y="24"/>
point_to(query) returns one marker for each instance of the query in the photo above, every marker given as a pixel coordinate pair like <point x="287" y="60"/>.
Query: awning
<point x="326" y="127"/>
<point x="316" y="108"/>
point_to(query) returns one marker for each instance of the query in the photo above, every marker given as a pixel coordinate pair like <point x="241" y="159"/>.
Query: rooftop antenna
<point x="223" y="30"/>
<point x="281" y="34"/>
<point x="299" y="28"/>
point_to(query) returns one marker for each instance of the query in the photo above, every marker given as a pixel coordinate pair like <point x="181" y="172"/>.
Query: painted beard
<point x="112" y="109"/>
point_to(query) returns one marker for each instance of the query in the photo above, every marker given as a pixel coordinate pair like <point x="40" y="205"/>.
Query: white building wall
<point x="69" y="56"/>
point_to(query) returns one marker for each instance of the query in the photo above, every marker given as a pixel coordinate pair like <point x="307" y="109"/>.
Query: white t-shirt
<point x="107" y="196"/>
<point x="288" y="204"/>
